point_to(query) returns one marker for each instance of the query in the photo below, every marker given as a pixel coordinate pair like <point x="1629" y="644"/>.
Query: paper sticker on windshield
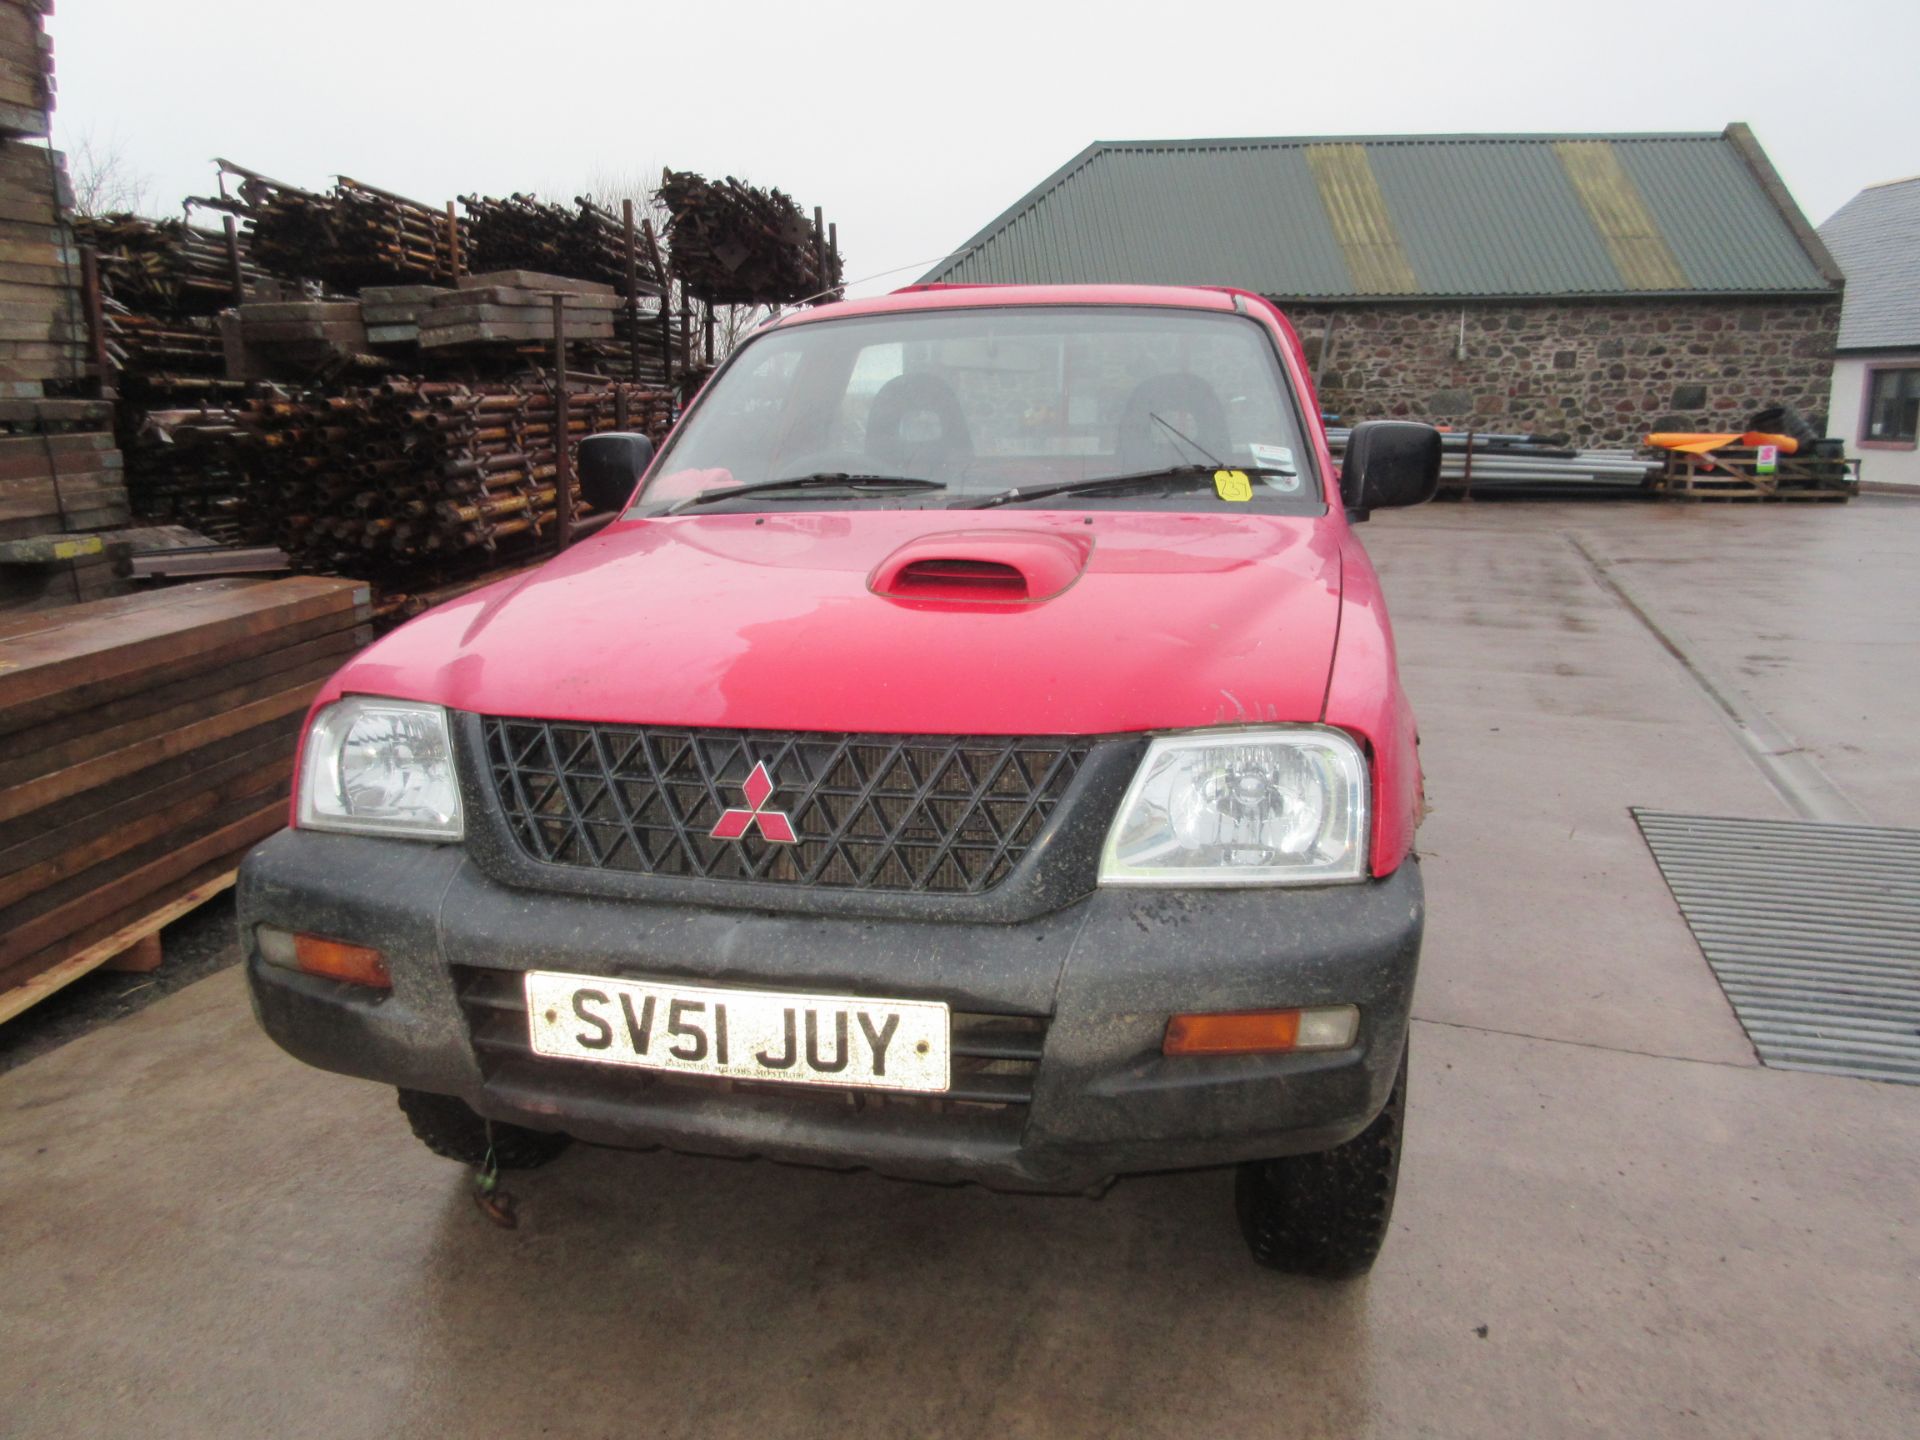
<point x="1232" y="485"/>
<point x="1273" y="457"/>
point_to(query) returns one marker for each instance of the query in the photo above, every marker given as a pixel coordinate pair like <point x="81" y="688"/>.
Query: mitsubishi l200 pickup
<point x="973" y="753"/>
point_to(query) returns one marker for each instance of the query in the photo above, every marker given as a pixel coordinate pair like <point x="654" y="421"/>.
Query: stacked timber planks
<point x="26" y="67"/>
<point x="517" y="308"/>
<point x="146" y="742"/>
<point x="42" y="324"/>
<point x="293" y="338"/>
<point x="57" y="487"/>
<point x="392" y="313"/>
<point x="59" y="483"/>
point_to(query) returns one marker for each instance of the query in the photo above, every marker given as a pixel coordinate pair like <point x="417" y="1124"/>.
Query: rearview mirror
<point x="1388" y="463"/>
<point x="610" y="466"/>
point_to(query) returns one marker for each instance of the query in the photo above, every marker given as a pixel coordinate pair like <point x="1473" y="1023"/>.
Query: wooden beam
<point x="36" y="989"/>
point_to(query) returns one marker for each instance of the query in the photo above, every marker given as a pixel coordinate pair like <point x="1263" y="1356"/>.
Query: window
<point x="982" y="400"/>
<point x="1893" y="407"/>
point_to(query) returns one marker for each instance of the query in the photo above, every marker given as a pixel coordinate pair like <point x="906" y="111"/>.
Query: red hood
<point x="768" y="622"/>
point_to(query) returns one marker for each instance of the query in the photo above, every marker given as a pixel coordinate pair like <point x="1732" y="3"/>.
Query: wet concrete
<point x="1611" y="1220"/>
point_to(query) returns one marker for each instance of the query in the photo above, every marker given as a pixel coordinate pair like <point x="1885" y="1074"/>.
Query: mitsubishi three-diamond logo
<point x="774" y="824"/>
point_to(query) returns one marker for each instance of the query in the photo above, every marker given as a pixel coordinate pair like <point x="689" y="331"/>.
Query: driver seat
<point x="916" y="398"/>
<point x="1183" y="401"/>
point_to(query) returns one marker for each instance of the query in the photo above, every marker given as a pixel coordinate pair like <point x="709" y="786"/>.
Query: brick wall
<point x="1603" y="373"/>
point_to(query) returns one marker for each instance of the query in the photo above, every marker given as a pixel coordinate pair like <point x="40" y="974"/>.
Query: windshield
<point x="979" y="402"/>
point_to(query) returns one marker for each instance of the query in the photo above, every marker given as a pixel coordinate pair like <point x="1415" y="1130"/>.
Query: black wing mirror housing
<point x="610" y="466"/>
<point x="1389" y="463"/>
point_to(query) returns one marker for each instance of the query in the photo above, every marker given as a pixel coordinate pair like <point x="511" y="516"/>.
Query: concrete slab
<point x="203" y="1238"/>
<point x="1623" y="1228"/>
<point x="1547" y="710"/>
<point x="1814" y="611"/>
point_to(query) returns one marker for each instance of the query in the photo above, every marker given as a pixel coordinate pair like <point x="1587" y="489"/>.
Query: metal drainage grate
<point x="1813" y="931"/>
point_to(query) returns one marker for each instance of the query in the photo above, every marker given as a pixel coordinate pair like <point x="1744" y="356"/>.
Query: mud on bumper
<point x="1068" y="1089"/>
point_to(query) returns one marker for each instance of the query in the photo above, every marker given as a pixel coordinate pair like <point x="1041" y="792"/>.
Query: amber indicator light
<point x="337" y="960"/>
<point x="1250" y="1032"/>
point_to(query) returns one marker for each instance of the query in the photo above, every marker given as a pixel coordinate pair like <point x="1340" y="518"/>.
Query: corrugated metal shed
<point x="1404" y="217"/>
<point x="1876" y="238"/>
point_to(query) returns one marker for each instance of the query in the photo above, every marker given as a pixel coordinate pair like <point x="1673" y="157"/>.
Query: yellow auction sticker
<point x="1232" y="485"/>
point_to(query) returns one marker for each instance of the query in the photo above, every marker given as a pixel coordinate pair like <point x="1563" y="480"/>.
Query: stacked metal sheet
<point x="1476" y="463"/>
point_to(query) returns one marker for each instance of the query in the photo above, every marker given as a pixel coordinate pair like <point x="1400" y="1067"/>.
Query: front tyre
<point x="1326" y="1214"/>
<point x="448" y="1126"/>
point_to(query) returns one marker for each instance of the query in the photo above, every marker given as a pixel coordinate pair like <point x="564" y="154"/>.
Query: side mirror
<point x="1389" y="462"/>
<point x="610" y="465"/>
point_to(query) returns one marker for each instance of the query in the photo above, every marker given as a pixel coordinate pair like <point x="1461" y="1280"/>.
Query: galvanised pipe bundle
<point x="1476" y="461"/>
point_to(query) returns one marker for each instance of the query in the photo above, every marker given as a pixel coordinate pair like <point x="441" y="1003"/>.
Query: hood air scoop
<point x="982" y="567"/>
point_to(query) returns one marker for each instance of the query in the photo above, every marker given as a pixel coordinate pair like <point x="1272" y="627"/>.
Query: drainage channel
<point x="1800" y="782"/>
<point x="1813" y="931"/>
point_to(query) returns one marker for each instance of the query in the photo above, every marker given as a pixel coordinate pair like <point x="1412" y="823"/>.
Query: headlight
<point x="380" y="767"/>
<point x="1243" y="807"/>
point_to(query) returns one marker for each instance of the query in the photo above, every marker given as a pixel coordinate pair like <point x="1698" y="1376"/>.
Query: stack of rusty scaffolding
<point x="732" y="244"/>
<point x="168" y="266"/>
<point x="587" y="242"/>
<point x="161" y="283"/>
<point x="406" y="482"/>
<point x="352" y="235"/>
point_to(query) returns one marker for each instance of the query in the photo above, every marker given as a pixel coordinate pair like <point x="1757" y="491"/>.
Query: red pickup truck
<point x="973" y="753"/>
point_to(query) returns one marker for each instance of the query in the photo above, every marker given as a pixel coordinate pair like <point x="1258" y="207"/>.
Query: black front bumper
<point x="1097" y="978"/>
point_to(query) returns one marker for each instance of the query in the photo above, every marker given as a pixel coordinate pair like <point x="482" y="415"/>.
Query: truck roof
<point x="955" y="297"/>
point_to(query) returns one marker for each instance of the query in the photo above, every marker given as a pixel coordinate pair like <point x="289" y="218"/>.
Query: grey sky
<point x="913" y="126"/>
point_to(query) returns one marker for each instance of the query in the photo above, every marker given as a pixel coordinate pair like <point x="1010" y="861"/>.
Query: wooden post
<point x="562" y="458"/>
<point x="453" y="240"/>
<point x="633" y="301"/>
<point x="706" y="325"/>
<point x="234" y="277"/>
<point x="820" y="253"/>
<point x="94" y="305"/>
<point x="686" y="326"/>
<point x="666" y="303"/>
<point x="833" y="256"/>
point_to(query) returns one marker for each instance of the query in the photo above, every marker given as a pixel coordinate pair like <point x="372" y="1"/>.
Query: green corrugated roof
<point x="1410" y="216"/>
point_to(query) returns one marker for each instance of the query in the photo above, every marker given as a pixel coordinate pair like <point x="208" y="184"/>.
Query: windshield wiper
<point x="821" y="480"/>
<point x="1181" y="475"/>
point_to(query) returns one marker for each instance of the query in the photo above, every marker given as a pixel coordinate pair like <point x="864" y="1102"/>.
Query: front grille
<point x="931" y="814"/>
<point x="993" y="1064"/>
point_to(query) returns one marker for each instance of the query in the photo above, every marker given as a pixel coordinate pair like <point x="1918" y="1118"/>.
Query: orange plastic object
<point x="1250" y="1032"/>
<point x="337" y="960"/>
<point x="1700" y="444"/>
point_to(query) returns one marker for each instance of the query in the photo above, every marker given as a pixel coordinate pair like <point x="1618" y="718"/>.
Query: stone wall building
<point x="1594" y="287"/>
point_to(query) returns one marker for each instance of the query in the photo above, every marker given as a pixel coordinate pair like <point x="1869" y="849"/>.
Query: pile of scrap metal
<point x="406" y="482"/>
<point x="732" y="244"/>
<point x="1475" y="462"/>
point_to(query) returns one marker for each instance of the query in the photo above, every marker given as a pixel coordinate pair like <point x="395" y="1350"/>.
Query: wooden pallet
<point x="139" y="939"/>
<point x="1734" y="474"/>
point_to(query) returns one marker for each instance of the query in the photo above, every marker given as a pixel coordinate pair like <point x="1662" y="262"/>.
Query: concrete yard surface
<point x="1612" y="1220"/>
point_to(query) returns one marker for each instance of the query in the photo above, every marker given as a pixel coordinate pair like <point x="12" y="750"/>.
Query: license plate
<point x="744" y="1034"/>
